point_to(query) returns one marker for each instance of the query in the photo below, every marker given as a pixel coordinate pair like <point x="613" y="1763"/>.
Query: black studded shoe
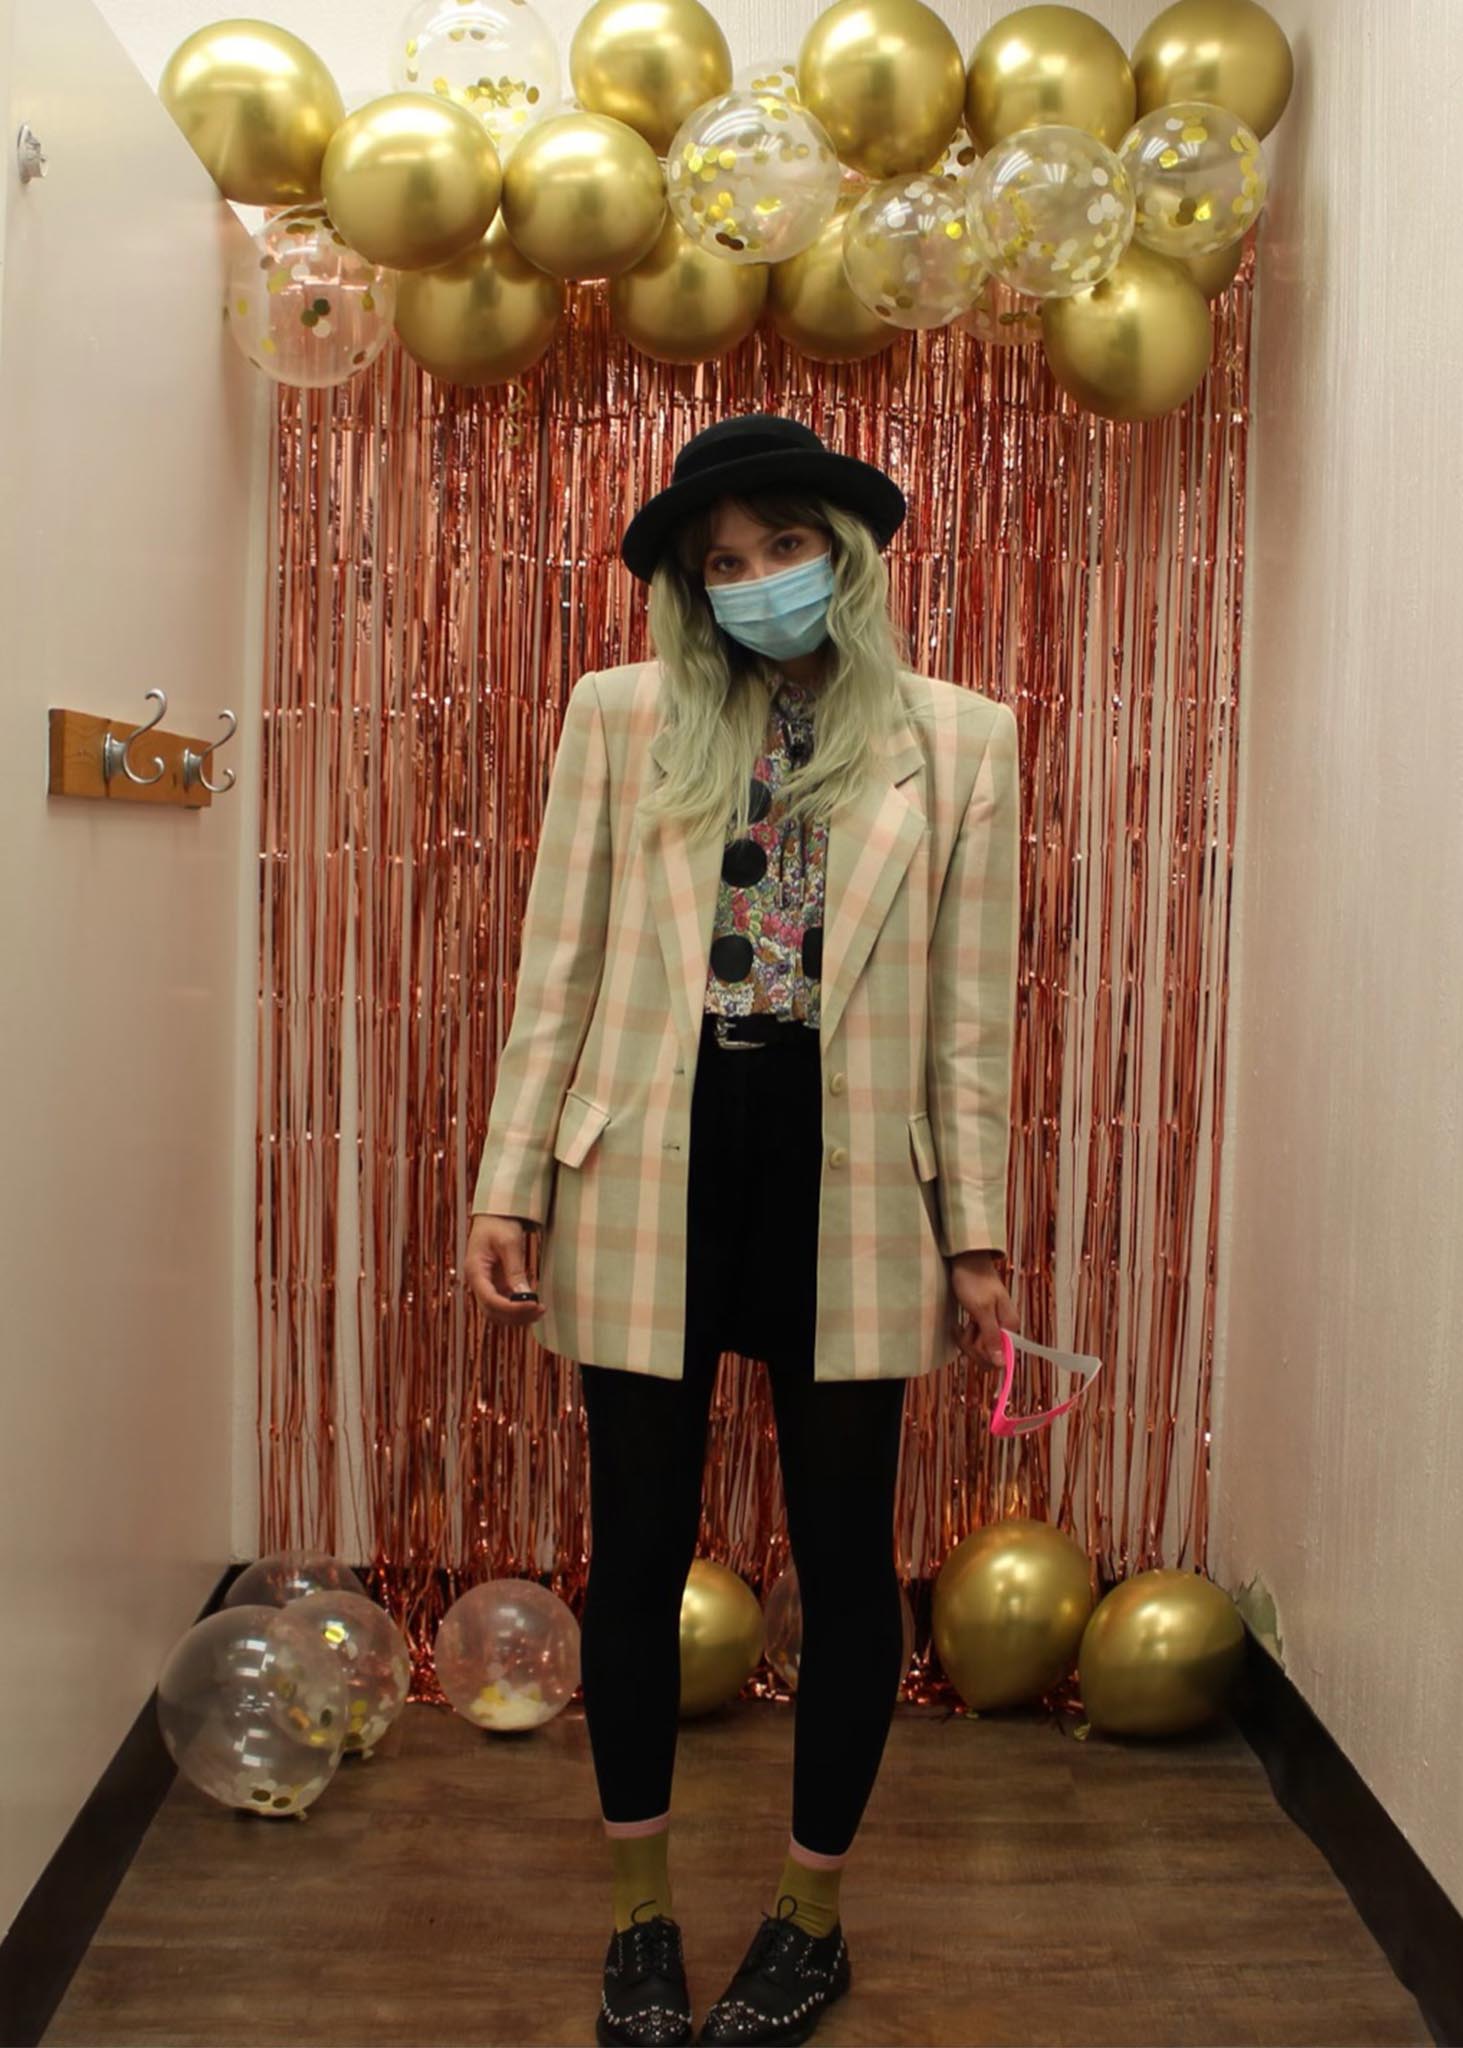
<point x="782" y="1984"/>
<point x="645" y="1999"/>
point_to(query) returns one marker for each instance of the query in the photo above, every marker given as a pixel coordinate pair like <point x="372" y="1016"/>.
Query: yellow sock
<point x="816" y="1893"/>
<point x="642" y="1880"/>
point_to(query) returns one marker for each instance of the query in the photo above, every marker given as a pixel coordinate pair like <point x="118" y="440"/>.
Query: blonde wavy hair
<point x="716" y="694"/>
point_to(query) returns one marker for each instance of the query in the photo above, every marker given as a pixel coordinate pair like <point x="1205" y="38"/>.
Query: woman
<point x="756" y="1097"/>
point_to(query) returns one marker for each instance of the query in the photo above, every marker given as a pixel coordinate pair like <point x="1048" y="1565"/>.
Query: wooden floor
<point x="1009" y="1885"/>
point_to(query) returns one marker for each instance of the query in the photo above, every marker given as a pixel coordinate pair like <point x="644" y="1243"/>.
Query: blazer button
<point x="838" y="1156"/>
<point x="837" y="1083"/>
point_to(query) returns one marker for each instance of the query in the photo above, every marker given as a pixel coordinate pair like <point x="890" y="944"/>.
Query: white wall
<point x="1338" y="1454"/>
<point x="129" y="428"/>
<point x="1340" y="1414"/>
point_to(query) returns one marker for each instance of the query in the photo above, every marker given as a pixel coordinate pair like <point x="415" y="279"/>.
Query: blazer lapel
<point x="871" y="840"/>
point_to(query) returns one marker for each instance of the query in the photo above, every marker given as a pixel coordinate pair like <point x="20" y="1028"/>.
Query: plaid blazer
<point x="589" y="1125"/>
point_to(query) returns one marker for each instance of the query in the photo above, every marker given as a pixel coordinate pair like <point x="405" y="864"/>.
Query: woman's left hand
<point x="980" y="1293"/>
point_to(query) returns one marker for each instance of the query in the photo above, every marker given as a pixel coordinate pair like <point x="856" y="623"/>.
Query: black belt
<point x="745" y="1034"/>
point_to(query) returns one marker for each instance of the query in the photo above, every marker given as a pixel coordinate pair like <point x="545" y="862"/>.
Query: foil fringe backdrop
<point x="445" y="565"/>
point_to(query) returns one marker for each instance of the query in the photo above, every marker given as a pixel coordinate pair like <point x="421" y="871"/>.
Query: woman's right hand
<point x="495" y="1266"/>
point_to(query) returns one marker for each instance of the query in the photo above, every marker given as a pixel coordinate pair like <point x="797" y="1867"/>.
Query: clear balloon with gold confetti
<point x="958" y="159"/>
<point x="496" y="58"/>
<point x="1051" y="210"/>
<point x="909" y="253"/>
<point x="1199" y="178"/>
<point x="284" y="1575"/>
<point x="253" y="1710"/>
<point x="507" y="1655"/>
<point x="1000" y="317"/>
<point x="752" y="177"/>
<point x="782" y="1615"/>
<point x="775" y="75"/>
<point x="308" y="311"/>
<point x="371" y="1654"/>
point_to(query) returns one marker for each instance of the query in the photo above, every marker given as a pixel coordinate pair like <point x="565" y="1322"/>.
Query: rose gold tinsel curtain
<point x="446" y="565"/>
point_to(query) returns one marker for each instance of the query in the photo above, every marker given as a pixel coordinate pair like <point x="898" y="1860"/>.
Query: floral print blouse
<point x="767" y="937"/>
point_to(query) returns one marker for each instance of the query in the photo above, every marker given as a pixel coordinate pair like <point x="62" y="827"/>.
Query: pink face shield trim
<point x="1003" y="1423"/>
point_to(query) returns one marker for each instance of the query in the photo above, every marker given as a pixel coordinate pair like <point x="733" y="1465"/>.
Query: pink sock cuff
<point x="626" y="1830"/>
<point x="811" y="1857"/>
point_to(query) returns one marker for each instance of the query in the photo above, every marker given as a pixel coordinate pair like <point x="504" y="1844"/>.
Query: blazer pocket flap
<point x="922" y="1142"/>
<point x="580" y="1123"/>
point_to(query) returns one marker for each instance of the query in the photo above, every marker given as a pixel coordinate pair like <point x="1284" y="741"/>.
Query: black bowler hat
<point x="758" y="451"/>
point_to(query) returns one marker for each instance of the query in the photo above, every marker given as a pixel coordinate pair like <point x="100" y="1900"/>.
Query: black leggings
<point x="755" y="1167"/>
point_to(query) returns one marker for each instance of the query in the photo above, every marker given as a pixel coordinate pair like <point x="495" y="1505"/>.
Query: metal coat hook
<point x="115" y="751"/>
<point x="29" y="155"/>
<point x="193" y="763"/>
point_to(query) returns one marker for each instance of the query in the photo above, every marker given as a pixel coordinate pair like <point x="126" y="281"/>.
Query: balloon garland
<point x="1049" y="190"/>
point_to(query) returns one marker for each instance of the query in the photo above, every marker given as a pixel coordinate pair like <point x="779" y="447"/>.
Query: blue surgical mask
<point x="780" y="616"/>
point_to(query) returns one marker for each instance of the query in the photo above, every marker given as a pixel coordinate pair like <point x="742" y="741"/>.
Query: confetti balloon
<point x="496" y="58"/>
<point x="286" y="1575"/>
<point x="1134" y="346"/>
<point x="1199" y="179"/>
<point x="783" y="1626"/>
<point x="781" y="78"/>
<point x="1010" y="1603"/>
<point x="253" y="1709"/>
<point x="507" y="1655"/>
<point x="583" y="196"/>
<point x="752" y="178"/>
<point x="483" y="318"/>
<point x="1160" y="1654"/>
<point x="257" y="107"/>
<point x="1052" y="211"/>
<point x="958" y="158"/>
<point x="1228" y="53"/>
<point x="721" y="1636"/>
<point x="307" y="311"/>
<point x="812" y="305"/>
<point x="371" y="1654"/>
<point x="909" y="253"/>
<point x="1000" y="317"/>
<point x="648" y="63"/>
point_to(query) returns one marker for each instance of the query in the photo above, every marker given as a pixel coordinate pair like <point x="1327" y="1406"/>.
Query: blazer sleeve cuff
<point x="510" y="1184"/>
<point x="973" y="1219"/>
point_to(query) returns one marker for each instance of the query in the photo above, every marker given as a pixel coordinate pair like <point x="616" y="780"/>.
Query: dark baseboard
<point x="1409" y="1915"/>
<point x="53" y="1929"/>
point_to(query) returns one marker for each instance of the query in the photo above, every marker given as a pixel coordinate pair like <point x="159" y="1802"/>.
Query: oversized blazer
<point x="589" y="1124"/>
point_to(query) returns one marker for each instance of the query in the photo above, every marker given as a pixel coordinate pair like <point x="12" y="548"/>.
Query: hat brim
<point x="857" y="486"/>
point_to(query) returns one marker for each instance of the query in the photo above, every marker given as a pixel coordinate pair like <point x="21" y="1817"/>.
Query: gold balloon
<point x="1230" y="53"/>
<point x="1010" y="1604"/>
<point x="1135" y="345"/>
<point x="483" y="318"/>
<point x="411" y="180"/>
<point x="721" y="1636"/>
<point x="1215" y="274"/>
<point x="584" y="196"/>
<point x="648" y="63"/>
<point x="811" y="303"/>
<point x="258" y="108"/>
<point x="886" y="79"/>
<point x="683" y="305"/>
<point x="1160" y="1654"/>
<point x="1044" y="66"/>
